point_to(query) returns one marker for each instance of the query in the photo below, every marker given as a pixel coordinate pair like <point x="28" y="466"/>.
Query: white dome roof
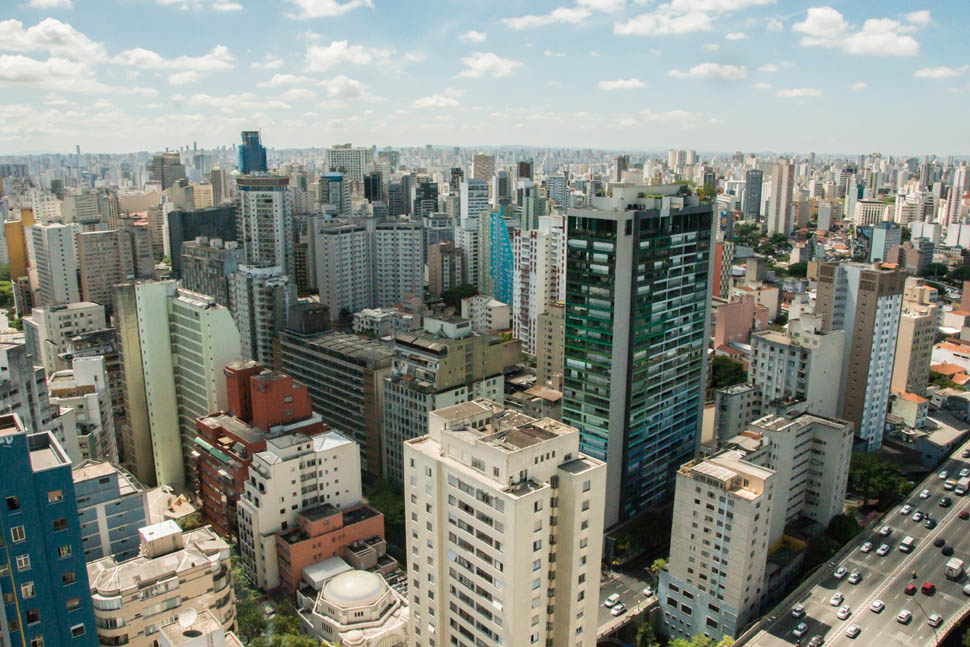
<point x="354" y="589"/>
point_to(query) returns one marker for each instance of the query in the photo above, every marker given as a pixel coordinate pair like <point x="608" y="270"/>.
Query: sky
<point x="848" y="77"/>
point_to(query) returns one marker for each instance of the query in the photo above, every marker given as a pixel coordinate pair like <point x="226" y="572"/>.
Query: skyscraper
<point x="349" y="160"/>
<point x="474" y="199"/>
<point x="634" y="358"/>
<point x="166" y="169"/>
<point x="252" y="154"/>
<point x="260" y="298"/>
<point x="425" y="200"/>
<point x="55" y="261"/>
<point x="483" y="167"/>
<point x="751" y="207"/>
<point x="557" y="188"/>
<point x="266" y="221"/>
<point x="779" y="218"/>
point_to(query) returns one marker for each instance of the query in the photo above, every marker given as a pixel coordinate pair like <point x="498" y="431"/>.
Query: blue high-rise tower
<point x="252" y="154"/>
<point x="43" y="578"/>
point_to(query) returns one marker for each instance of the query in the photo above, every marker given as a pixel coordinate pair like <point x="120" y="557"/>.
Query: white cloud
<point x="795" y="93"/>
<point x="200" y="5"/>
<point x="712" y="47"/>
<point x="682" y="17"/>
<point x="340" y="52"/>
<point x="622" y="84"/>
<point x="920" y="18"/>
<point x="941" y="72"/>
<point x="551" y="54"/>
<point x="343" y="87"/>
<point x="227" y="6"/>
<point x="773" y="24"/>
<point x="681" y="116"/>
<point x="826" y="27"/>
<point x="285" y="79"/>
<point x="570" y="15"/>
<point x="712" y="71"/>
<point x="736" y="35"/>
<point x="763" y="86"/>
<point x="768" y="67"/>
<point x="184" y="78"/>
<point x="51" y="4"/>
<point x="553" y="84"/>
<point x="859" y="85"/>
<point x="298" y="94"/>
<point x="216" y="59"/>
<point x="473" y="36"/>
<point x="58" y="74"/>
<point x="50" y="35"/>
<point x="271" y="62"/>
<point x="435" y="101"/>
<point x="606" y="6"/>
<point x="487" y="64"/>
<point x="325" y="8"/>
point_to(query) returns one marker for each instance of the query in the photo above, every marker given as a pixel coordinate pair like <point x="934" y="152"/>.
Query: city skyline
<point x="704" y="74"/>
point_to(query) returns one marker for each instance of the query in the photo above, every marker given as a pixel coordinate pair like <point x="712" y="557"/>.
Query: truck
<point x="963" y="486"/>
<point x="954" y="568"/>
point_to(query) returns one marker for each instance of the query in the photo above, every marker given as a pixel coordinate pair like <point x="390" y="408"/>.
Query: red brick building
<point x="261" y="403"/>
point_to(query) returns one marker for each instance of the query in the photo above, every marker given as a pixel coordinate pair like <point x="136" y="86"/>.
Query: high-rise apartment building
<point x="467" y="236"/>
<point x="221" y="187"/>
<point x="868" y="213"/>
<point x="55" y="262"/>
<point x="42" y="576"/>
<point x="557" y="188"/>
<point x="751" y="206"/>
<point x="266" y="220"/>
<point x="174" y="346"/>
<point x="634" y="358"/>
<point x="474" y="199"/>
<point x="349" y="160"/>
<point x="550" y="340"/>
<point x="49" y="329"/>
<point x="505" y="517"/>
<point x="483" y="167"/>
<point x="342" y="259"/>
<point x="333" y="192"/>
<point x="207" y="265"/>
<point x="82" y="397"/>
<point x="444" y="364"/>
<point x="539" y="276"/>
<point x="864" y="301"/>
<point x="398" y="261"/>
<point x="446" y="268"/>
<point x="252" y="153"/>
<point x="111" y="505"/>
<point x="260" y="298"/>
<point x="914" y="348"/>
<point x="958" y="187"/>
<point x="213" y="223"/>
<point x="780" y="219"/>
<point x="107" y="258"/>
<point x="23" y="391"/>
<point x="166" y="168"/>
<point x="425" y="200"/>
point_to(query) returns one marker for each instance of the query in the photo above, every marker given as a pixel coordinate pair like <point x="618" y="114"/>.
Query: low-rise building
<point x="382" y="322"/>
<point x="485" y="313"/>
<point x="735" y="407"/>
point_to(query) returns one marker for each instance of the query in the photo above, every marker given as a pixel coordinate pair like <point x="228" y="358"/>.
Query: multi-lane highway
<point x="885" y="578"/>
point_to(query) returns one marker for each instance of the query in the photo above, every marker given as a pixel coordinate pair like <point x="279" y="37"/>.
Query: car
<point x="618" y="609"/>
<point x="966" y="453"/>
<point x="841" y="572"/>
<point x="883" y="550"/>
<point x="917" y="516"/>
<point x="800" y="629"/>
<point x="939" y="542"/>
<point x="855" y="577"/>
<point x="964" y="514"/>
<point x="935" y="620"/>
<point x="798" y="611"/>
<point x="816" y="641"/>
<point x="844" y="612"/>
<point x="903" y="617"/>
<point x="885" y="531"/>
<point x="924" y="494"/>
<point x="866" y="547"/>
<point x="852" y="631"/>
<point x="906" y="509"/>
<point x="928" y="588"/>
<point x="877" y="605"/>
<point x="949" y="484"/>
<point x="965" y="472"/>
<point x="930" y="523"/>
<point x="647" y="592"/>
<point x="942" y="475"/>
<point x="966" y="589"/>
<point x="836" y="599"/>
<point x="612" y="600"/>
<point x="945" y="502"/>
<point x="947" y="551"/>
<point x="910" y="589"/>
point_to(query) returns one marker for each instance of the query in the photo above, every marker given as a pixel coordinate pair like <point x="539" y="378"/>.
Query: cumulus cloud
<point x="473" y="36"/>
<point x="435" y="101"/>
<point x="571" y="15"/>
<point x="919" y="18"/>
<point x="622" y="84"/>
<point x="59" y="74"/>
<point x="768" y="67"/>
<point x="858" y="85"/>
<point x="736" y="35"/>
<point x="285" y="79"/>
<point x="488" y="64"/>
<point x="184" y="78"/>
<point x="941" y="72"/>
<point x="795" y="93"/>
<point x="271" y="62"/>
<point x="712" y="71"/>
<point x="343" y="87"/>
<point x="678" y="116"/>
<point x="606" y="6"/>
<point x="51" y="4"/>
<point x="682" y="17"/>
<point x="298" y="94"/>
<point x="50" y="35"/>
<point x="227" y="6"/>
<point x="216" y="59"/>
<point x="340" y="52"/>
<point x="826" y="27"/>
<point x="324" y="8"/>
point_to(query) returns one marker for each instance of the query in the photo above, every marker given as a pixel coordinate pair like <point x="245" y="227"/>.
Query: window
<point x="23" y="562"/>
<point x="17" y="534"/>
<point x="78" y="630"/>
<point x="64" y="551"/>
<point x="73" y="603"/>
<point x="55" y="496"/>
<point x="33" y="616"/>
<point x="27" y="590"/>
<point x="535" y="584"/>
<point x="536" y="565"/>
<point x="68" y="578"/>
<point x="37" y="641"/>
<point x="60" y="524"/>
<point x="13" y="503"/>
<point x="585" y="486"/>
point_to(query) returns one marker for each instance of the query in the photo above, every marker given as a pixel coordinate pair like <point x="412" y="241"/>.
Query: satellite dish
<point x="187" y="618"/>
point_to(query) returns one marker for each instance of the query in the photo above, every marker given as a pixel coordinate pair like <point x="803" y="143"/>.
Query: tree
<point x="454" y="296"/>
<point x="286" y="623"/>
<point x="843" y="528"/>
<point x="250" y="619"/>
<point x="191" y="521"/>
<point x="934" y="271"/>
<point x="779" y="239"/>
<point x="726" y="372"/>
<point x="658" y="565"/>
<point x="965" y="641"/>
<point x="388" y="498"/>
<point x="961" y="273"/>
<point x="798" y="270"/>
<point x="645" y="636"/>
<point x="875" y="477"/>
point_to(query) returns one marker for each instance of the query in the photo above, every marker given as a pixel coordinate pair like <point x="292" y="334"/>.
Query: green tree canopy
<point x="726" y="372"/>
<point x="843" y="528"/>
<point x="961" y="273"/>
<point x="873" y="476"/>
<point x="934" y="270"/>
<point x="454" y="296"/>
<point x="798" y="270"/>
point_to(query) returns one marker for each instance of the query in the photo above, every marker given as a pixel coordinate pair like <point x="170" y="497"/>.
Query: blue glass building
<point x="252" y="154"/>
<point x="501" y="259"/>
<point x="43" y="579"/>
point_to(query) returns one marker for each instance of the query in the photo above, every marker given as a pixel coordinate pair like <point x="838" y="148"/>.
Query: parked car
<point x="947" y="550"/>
<point x="647" y="592"/>
<point x="836" y="599"/>
<point x="799" y="630"/>
<point x="935" y="620"/>
<point x="841" y="572"/>
<point x="917" y="516"/>
<point x="966" y="589"/>
<point x="883" y="550"/>
<point x="910" y="589"/>
<point x="945" y="502"/>
<point x="949" y="484"/>
<point x="866" y="547"/>
<point x="798" y="611"/>
<point x="939" y="542"/>
<point x="930" y="523"/>
<point x="924" y="494"/>
<point x="885" y="531"/>
<point x="844" y="612"/>
<point x="816" y="641"/>
<point x="965" y="472"/>
<point x="942" y="475"/>
<point x="966" y="453"/>
<point x="906" y="509"/>
<point x="964" y="514"/>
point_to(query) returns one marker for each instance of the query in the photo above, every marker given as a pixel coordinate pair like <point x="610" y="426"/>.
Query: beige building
<point x="174" y="571"/>
<point x="505" y="524"/>
<point x="550" y="339"/>
<point x="485" y="313"/>
<point x="446" y="267"/>
<point x="49" y="329"/>
<point x="107" y="258"/>
<point x="914" y="349"/>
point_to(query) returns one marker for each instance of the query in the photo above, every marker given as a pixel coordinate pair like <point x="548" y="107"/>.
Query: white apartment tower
<point x="398" y="262"/>
<point x="342" y="262"/>
<point x="55" y="262"/>
<point x="473" y="199"/>
<point x="557" y="190"/>
<point x="260" y="298"/>
<point x="467" y="237"/>
<point x="539" y="275"/>
<point x="353" y="162"/>
<point x="265" y="219"/>
<point x="49" y="329"/>
<point x="505" y="524"/>
<point x="779" y="219"/>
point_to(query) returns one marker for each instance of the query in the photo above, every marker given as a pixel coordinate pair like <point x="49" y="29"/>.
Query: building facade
<point x="112" y="505"/>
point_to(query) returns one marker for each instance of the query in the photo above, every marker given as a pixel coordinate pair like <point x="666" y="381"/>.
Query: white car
<point x="844" y="612"/>
<point x="647" y="592"/>
<point x="903" y="617"/>
<point x="935" y="620"/>
<point x="852" y="631"/>
<point x="877" y="606"/>
<point x="855" y="577"/>
<point x="965" y="472"/>
<point x="942" y="475"/>
<point x="618" y="609"/>
<point x="885" y="531"/>
<point x="799" y="630"/>
<point x="966" y="589"/>
<point x="924" y="494"/>
<point x="612" y="600"/>
<point x="883" y="550"/>
<point x="866" y="547"/>
<point x="836" y="599"/>
<point x="906" y="509"/>
<point x="798" y="611"/>
<point x="841" y="572"/>
<point x="917" y="516"/>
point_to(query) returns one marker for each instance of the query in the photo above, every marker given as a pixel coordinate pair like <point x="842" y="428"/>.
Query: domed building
<point x="351" y="607"/>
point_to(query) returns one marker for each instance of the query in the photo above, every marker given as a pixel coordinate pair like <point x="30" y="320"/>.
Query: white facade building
<point x="868" y="212"/>
<point x="55" y="263"/>
<point x="48" y="330"/>
<point x="342" y="262"/>
<point x="467" y="237"/>
<point x="485" y="313"/>
<point x="351" y="161"/>
<point x="539" y="276"/>
<point x="779" y="217"/>
<point x="260" y="298"/>
<point x="82" y="397"/>
<point x="398" y="262"/>
<point x="557" y="190"/>
<point x="505" y="524"/>
<point x="473" y="199"/>
<point x="265" y="219"/>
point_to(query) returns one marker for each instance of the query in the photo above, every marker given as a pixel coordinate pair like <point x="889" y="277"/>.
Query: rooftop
<point x="347" y="345"/>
